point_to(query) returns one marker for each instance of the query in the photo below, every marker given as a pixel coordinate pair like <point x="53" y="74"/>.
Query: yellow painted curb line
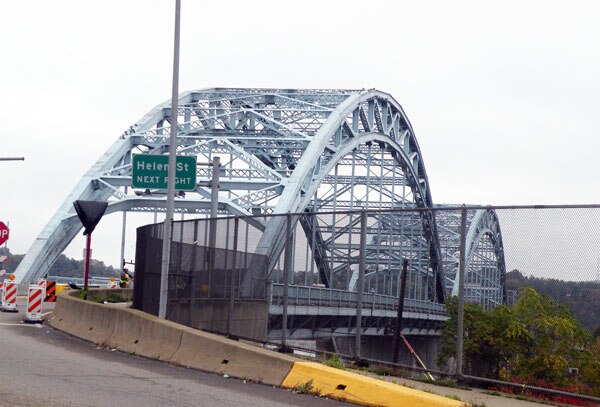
<point x="359" y="389"/>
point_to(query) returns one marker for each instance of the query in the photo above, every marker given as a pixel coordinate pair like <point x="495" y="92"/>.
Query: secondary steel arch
<point x="485" y="279"/>
<point x="282" y="151"/>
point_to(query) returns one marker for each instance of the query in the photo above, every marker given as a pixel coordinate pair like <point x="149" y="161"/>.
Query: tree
<point x="535" y="341"/>
<point x="590" y="369"/>
<point x="12" y="261"/>
<point x="546" y="339"/>
<point x="67" y="267"/>
<point x="484" y="348"/>
<point x="64" y="266"/>
<point x="582" y="297"/>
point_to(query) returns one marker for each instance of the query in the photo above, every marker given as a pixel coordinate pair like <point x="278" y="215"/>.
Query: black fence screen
<point x="218" y="289"/>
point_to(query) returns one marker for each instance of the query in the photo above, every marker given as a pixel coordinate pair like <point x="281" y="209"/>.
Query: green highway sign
<point x="151" y="172"/>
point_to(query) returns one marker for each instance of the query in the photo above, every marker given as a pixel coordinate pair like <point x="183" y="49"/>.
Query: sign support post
<point x="90" y="213"/>
<point x="86" y="274"/>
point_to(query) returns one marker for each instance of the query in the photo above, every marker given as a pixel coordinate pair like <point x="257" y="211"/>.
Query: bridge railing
<point x="326" y="297"/>
<point x="79" y="280"/>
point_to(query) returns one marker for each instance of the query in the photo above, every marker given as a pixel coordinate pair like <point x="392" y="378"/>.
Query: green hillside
<point x="64" y="266"/>
<point x="582" y="297"/>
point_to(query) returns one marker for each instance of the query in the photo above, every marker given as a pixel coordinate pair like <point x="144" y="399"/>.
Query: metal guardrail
<point x="327" y="297"/>
<point x="79" y="280"/>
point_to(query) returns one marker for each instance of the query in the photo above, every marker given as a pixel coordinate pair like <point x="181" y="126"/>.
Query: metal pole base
<point x="285" y="349"/>
<point x="33" y="321"/>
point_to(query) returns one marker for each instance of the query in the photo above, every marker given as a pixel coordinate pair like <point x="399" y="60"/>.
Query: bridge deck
<point x="317" y="312"/>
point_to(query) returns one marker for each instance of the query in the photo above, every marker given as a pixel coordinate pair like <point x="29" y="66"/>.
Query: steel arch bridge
<point x="282" y="151"/>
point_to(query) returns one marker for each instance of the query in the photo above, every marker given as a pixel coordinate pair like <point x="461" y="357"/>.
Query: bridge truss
<point x="282" y="151"/>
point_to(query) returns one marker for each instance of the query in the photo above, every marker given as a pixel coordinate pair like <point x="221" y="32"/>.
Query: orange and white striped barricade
<point x="112" y="283"/>
<point x="2" y="273"/>
<point x="42" y="283"/>
<point x="9" y="296"/>
<point x="35" y="299"/>
<point x="50" y="294"/>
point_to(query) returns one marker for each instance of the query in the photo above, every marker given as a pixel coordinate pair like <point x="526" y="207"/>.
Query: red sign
<point x="3" y="233"/>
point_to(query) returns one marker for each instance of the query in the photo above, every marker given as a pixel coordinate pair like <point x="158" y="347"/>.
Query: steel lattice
<point x="282" y="151"/>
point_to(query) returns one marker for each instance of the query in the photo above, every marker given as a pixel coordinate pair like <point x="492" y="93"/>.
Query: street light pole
<point x="166" y="249"/>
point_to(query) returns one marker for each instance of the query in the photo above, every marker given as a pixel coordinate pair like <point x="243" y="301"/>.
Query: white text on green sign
<point x="151" y="172"/>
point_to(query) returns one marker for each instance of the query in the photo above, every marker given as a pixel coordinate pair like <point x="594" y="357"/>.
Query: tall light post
<point x="166" y="249"/>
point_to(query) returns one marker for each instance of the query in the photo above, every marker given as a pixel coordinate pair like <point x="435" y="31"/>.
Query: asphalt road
<point x="40" y="366"/>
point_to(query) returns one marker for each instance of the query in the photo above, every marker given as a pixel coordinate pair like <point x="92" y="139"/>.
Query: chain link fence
<point x="505" y="294"/>
<point x="545" y="334"/>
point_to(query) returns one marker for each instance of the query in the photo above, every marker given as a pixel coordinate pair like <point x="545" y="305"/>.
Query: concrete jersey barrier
<point x="139" y="333"/>
<point x="136" y="332"/>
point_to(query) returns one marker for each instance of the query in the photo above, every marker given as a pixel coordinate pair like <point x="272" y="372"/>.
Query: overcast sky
<point x="503" y="96"/>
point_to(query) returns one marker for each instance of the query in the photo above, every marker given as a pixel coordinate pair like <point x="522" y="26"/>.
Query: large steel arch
<point x="370" y="128"/>
<point x="282" y="151"/>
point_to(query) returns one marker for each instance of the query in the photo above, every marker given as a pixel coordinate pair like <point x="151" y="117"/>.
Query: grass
<point x="101" y="298"/>
<point x="335" y="361"/>
<point x="304" y="388"/>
